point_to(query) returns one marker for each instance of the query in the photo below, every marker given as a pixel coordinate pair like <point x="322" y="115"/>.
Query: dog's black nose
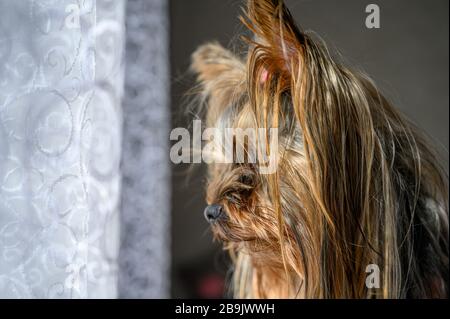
<point x="213" y="212"/>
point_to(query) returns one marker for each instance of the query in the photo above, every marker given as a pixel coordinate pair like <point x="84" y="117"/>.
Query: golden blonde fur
<point x="356" y="183"/>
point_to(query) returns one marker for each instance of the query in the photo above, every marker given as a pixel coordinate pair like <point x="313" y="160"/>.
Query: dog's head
<point x="353" y="181"/>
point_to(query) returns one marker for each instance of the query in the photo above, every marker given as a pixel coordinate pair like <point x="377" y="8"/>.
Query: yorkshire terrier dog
<point x="356" y="184"/>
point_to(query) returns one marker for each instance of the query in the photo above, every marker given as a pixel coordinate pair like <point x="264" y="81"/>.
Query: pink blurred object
<point x="211" y="286"/>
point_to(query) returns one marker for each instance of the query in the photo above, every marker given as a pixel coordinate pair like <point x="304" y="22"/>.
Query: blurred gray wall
<point x="145" y="213"/>
<point x="407" y="57"/>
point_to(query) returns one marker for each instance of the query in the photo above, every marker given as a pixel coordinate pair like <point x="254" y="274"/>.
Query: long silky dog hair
<point x="356" y="184"/>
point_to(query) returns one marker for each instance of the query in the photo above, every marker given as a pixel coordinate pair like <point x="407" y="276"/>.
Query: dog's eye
<point x="247" y="180"/>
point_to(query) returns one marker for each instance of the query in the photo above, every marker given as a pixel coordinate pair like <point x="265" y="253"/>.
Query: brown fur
<point x="356" y="183"/>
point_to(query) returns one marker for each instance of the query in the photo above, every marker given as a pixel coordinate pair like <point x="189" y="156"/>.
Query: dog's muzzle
<point x="213" y="212"/>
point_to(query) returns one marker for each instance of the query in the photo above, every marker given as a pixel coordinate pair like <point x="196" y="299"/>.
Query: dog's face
<point x="262" y="219"/>
<point x="240" y="209"/>
<point x="337" y="200"/>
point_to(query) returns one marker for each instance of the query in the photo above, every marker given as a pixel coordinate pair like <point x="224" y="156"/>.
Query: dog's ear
<point x="214" y="64"/>
<point x="221" y="76"/>
<point x="278" y="40"/>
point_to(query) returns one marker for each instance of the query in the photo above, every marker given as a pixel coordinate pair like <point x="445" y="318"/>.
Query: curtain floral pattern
<point x="61" y="79"/>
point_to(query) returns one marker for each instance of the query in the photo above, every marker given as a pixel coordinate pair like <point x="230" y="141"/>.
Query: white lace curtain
<point x="61" y="88"/>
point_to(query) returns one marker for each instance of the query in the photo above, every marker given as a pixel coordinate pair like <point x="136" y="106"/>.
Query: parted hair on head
<point x="356" y="183"/>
